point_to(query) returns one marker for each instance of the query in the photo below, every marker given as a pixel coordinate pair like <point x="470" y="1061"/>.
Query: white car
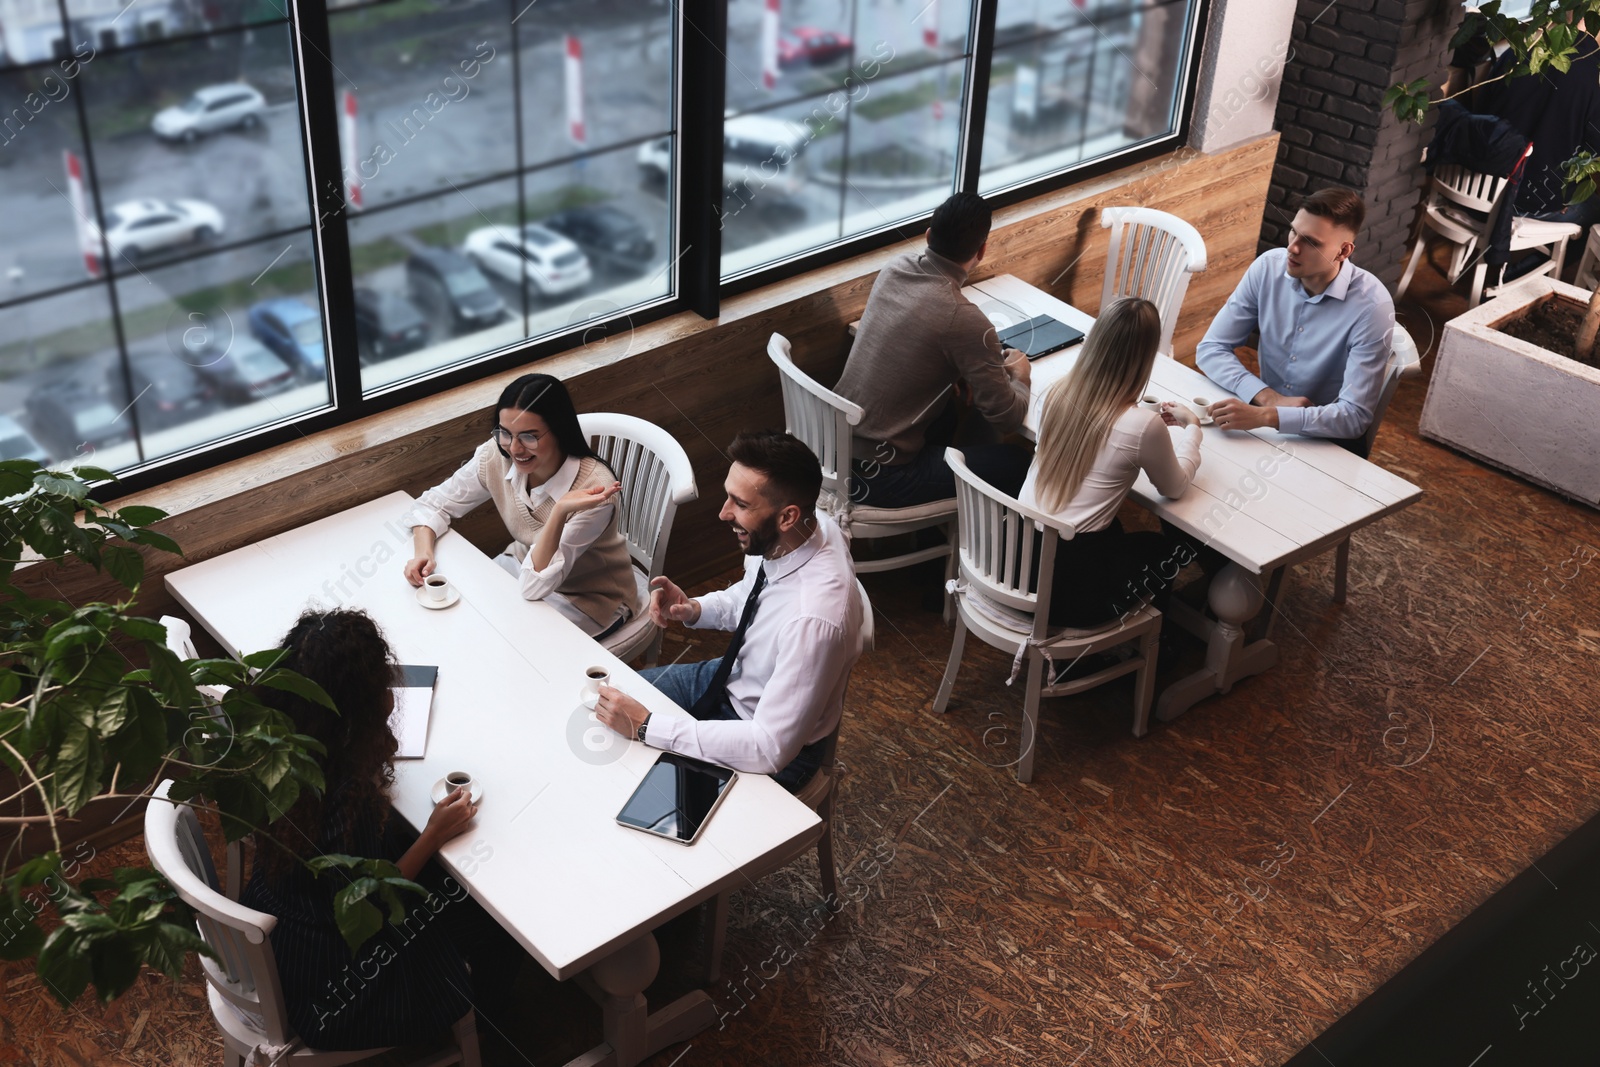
<point x="552" y="263"/>
<point x="209" y="110"/>
<point x="135" y="227"/>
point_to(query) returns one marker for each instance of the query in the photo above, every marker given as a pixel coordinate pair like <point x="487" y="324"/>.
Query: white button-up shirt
<point x="463" y="491"/>
<point x="789" y="680"/>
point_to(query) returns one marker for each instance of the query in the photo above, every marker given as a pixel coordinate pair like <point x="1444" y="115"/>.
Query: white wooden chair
<point x="1152" y="255"/>
<point x="998" y="600"/>
<point x="656" y="479"/>
<point x="242" y="983"/>
<point x="818" y="795"/>
<point x="1462" y="206"/>
<point x="822" y="419"/>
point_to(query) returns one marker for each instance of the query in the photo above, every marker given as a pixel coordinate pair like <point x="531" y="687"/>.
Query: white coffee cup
<point x="1150" y="400"/>
<point x="436" y="587"/>
<point x="1201" y="407"/>
<point x="593" y="679"/>
<point x="458" y="780"/>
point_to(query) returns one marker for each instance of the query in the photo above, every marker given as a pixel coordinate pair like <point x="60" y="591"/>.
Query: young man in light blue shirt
<point x="1324" y="325"/>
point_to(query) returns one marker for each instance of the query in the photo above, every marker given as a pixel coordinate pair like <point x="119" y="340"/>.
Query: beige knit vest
<point x="601" y="580"/>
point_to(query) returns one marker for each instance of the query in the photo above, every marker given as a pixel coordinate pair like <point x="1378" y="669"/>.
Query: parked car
<point x="452" y="285"/>
<point x="655" y="159"/>
<point x="210" y="110"/>
<point x="166" y="389"/>
<point x="71" y="416"/>
<point x="135" y="227"/>
<point x="387" y="324"/>
<point x="606" y="235"/>
<point x="17" y="443"/>
<point x="806" y="44"/>
<point x="293" y="331"/>
<point x="244" y="371"/>
<point x="550" y="262"/>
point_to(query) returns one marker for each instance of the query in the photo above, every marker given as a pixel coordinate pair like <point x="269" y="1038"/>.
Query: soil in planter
<point x="1552" y="325"/>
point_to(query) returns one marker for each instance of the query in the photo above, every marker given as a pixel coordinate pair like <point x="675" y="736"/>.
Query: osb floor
<point x="1217" y="892"/>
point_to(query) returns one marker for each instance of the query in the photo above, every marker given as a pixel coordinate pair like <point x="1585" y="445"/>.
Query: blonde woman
<point x="1094" y="440"/>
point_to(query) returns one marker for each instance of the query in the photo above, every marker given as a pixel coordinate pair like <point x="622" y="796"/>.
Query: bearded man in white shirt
<point x="776" y="695"/>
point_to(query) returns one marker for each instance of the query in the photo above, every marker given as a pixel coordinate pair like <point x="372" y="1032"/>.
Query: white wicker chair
<point x="656" y="479"/>
<point x="999" y="602"/>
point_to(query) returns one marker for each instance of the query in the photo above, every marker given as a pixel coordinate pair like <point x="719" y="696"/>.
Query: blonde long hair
<point x="1111" y="372"/>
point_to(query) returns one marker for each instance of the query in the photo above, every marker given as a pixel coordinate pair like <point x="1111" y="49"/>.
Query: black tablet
<point x="1039" y="336"/>
<point x="677" y="798"/>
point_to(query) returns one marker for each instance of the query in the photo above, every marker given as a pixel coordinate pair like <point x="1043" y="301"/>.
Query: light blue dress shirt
<point x="1332" y="348"/>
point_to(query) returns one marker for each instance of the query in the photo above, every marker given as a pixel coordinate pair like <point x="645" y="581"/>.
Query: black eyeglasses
<point x="528" y="438"/>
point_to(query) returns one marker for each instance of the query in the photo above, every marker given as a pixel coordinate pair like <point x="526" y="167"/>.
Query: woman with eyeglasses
<point x="554" y="496"/>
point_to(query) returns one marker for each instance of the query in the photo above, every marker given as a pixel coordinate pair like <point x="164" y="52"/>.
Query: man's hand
<point x="1270" y="397"/>
<point x="669" y="604"/>
<point x="1231" y="414"/>
<point x="1017" y="365"/>
<point x="619" y="711"/>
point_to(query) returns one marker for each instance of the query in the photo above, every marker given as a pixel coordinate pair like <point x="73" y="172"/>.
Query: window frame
<point x="693" y="241"/>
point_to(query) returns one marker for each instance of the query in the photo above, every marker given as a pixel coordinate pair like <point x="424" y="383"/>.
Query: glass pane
<point x="1062" y="96"/>
<point x="43" y="244"/>
<point x="116" y="24"/>
<point x="849" y="124"/>
<point x="197" y="146"/>
<point x="209" y="362"/>
<point x="58" y="403"/>
<point x="425" y="95"/>
<point x="616" y="60"/>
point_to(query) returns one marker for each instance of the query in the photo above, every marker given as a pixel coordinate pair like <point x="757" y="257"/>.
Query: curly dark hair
<point x="346" y="654"/>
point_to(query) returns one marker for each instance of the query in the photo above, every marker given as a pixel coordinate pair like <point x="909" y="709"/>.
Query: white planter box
<point x="1514" y="405"/>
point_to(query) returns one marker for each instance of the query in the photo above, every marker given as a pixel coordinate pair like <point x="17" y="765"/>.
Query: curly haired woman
<point x="409" y="982"/>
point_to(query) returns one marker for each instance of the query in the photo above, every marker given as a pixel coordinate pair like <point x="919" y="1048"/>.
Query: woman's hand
<point x="449" y="819"/>
<point x="577" y="500"/>
<point x="419" y="568"/>
<point x="1176" y="414"/>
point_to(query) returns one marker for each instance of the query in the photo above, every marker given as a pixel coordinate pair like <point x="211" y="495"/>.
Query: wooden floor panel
<point x="1217" y="892"/>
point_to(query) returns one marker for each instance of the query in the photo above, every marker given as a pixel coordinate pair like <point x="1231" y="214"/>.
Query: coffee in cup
<point x="458" y="780"/>
<point x="1201" y="407"/>
<point x="436" y="587"/>
<point x="594" y="678"/>
<point x="1150" y="400"/>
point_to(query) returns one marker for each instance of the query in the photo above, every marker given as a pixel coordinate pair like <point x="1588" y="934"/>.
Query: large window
<point x="231" y="221"/>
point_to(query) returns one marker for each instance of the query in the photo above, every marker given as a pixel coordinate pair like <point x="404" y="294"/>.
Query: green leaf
<point x="79" y="762"/>
<point x="38" y="869"/>
<point x="157" y="541"/>
<point x="114" y="964"/>
<point x="94" y="474"/>
<point x="64" y="964"/>
<point x="170" y="678"/>
<point x="300" y="686"/>
<point x="61" y="484"/>
<point x="68" y="635"/>
<point x="264" y="659"/>
<point x="10" y="685"/>
<point x="358" y="917"/>
<point x="20" y="938"/>
<point x="169" y="945"/>
<point x="140" y="514"/>
<point x="124" y="564"/>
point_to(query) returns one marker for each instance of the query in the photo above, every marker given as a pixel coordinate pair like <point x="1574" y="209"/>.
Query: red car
<point x="806" y="44"/>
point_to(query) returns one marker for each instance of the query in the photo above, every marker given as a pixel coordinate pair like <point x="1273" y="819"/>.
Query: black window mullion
<point x="313" y="54"/>
<point x="698" y="190"/>
<point x="979" y="62"/>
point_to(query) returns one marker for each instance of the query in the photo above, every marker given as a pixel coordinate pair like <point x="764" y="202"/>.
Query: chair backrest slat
<point x="819" y="417"/>
<point x="656" y="478"/>
<point x="998" y="539"/>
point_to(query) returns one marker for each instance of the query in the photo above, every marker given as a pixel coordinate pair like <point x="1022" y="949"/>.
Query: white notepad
<point x="413" y="703"/>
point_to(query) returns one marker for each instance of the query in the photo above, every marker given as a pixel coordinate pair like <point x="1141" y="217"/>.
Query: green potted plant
<point x="95" y="707"/>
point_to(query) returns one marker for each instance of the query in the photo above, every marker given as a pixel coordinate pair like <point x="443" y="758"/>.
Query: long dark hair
<point x="548" y="398"/>
<point x="346" y="654"/>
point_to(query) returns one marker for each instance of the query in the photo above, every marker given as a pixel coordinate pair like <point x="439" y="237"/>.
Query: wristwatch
<point x="638" y="735"/>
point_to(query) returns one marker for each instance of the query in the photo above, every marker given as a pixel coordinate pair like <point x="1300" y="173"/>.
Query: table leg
<point x="1235" y="597"/>
<point x="633" y="1032"/>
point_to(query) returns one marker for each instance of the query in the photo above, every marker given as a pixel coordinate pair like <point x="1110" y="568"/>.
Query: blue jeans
<point x="928" y="477"/>
<point x="683" y="684"/>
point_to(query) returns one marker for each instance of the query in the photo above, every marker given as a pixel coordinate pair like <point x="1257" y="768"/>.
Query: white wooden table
<point x="1264" y="499"/>
<point x="545" y="855"/>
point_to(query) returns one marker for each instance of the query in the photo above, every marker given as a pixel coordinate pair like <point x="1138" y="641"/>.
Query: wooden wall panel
<point x="702" y="381"/>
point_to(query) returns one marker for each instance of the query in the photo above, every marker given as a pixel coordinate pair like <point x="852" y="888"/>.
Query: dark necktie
<point x="709" y="706"/>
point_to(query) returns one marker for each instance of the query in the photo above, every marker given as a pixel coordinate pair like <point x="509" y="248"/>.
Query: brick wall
<point x="1345" y="55"/>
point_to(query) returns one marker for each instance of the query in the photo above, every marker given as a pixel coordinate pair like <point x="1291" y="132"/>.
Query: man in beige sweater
<point x="918" y="339"/>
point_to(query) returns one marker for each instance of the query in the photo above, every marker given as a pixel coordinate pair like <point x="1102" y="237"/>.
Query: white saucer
<point x="583" y="698"/>
<point x="442" y="790"/>
<point x="1205" y="420"/>
<point x="452" y="594"/>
